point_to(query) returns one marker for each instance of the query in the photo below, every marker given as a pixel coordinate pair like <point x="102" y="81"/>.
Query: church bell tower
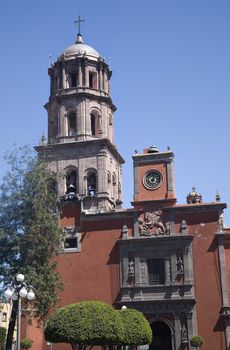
<point x="80" y="146"/>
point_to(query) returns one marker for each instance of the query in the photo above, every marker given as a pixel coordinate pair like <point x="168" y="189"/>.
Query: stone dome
<point x="79" y="48"/>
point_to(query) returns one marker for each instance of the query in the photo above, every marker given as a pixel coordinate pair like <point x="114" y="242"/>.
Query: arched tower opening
<point x="71" y="124"/>
<point x="95" y="123"/>
<point x="71" y="185"/>
<point x="92" y="183"/>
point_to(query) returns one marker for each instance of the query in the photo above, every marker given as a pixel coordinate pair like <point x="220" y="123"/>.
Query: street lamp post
<point x="18" y="290"/>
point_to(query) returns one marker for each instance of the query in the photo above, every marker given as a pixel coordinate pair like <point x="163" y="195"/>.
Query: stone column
<point x="136" y="224"/>
<point x="223" y="281"/>
<point x="136" y="180"/>
<point x="188" y="265"/>
<point x="177" y="335"/>
<point x="86" y="76"/>
<point x="62" y="122"/>
<point x="79" y="74"/>
<point x="170" y="180"/>
<point x="100" y="79"/>
<point x="190" y="329"/>
<point x="104" y="81"/>
<point x="101" y="170"/>
<point x="124" y="270"/>
<point x="227" y="332"/>
<point x="167" y="271"/>
<point x="80" y="119"/>
<point x="137" y="270"/>
<point x="63" y="78"/>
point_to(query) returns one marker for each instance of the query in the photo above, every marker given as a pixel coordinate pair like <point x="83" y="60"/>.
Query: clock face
<point x="152" y="179"/>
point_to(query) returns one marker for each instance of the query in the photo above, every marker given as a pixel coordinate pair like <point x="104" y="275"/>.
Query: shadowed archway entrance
<point x="162" y="339"/>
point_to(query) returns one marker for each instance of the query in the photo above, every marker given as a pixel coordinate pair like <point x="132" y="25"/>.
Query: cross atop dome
<point x="78" y="22"/>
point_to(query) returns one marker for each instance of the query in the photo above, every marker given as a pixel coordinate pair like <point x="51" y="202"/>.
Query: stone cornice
<point x="198" y="207"/>
<point x="166" y="239"/>
<point x="62" y="95"/>
<point x="102" y="142"/>
<point x="152" y="157"/>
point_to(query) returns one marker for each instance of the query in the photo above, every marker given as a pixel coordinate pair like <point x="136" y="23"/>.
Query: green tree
<point x="29" y="231"/>
<point x="197" y="341"/>
<point x="26" y="343"/>
<point x="84" y="324"/>
<point x="2" y="336"/>
<point x="137" y="330"/>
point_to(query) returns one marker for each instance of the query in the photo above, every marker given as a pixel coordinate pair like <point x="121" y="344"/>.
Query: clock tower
<point x="153" y="178"/>
<point x="80" y="147"/>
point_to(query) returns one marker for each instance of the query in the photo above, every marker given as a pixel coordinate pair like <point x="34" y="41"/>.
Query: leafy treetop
<point x="197" y="341"/>
<point x="137" y="330"/>
<point x="2" y="335"/>
<point x="29" y="231"/>
<point x="96" y="323"/>
<point x="26" y="343"/>
<point x="85" y="323"/>
<point x="29" y="228"/>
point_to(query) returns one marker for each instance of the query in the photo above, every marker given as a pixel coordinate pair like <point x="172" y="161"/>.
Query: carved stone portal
<point x="151" y="223"/>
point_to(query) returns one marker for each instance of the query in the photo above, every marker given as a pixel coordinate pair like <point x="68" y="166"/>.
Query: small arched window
<point x="93" y="124"/>
<point x="93" y="80"/>
<point x="92" y="184"/>
<point x="73" y="79"/>
<point x="71" y="181"/>
<point x="72" y="125"/>
<point x="119" y="187"/>
<point x="114" y="179"/>
<point x="109" y="177"/>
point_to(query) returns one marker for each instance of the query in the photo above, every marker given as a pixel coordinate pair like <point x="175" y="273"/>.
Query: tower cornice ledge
<point x="94" y="95"/>
<point x="103" y="142"/>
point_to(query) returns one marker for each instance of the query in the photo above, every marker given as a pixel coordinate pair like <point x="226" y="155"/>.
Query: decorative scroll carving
<point x="151" y="223"/>
<point x="184" y="227"/>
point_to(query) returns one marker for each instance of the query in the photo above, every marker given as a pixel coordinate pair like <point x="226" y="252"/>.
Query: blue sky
<point x="170" y="83"/>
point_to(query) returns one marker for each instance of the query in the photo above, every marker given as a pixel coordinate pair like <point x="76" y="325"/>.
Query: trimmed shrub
<point x="137" y="330"/>
<point x="85" y="323"/>
<point x="197" y="341"/>
<point x="26" y="343"/>
<point x="2" y="335"/>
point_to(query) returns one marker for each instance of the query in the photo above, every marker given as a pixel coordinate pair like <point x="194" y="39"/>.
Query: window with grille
<point x="156" y="271"/>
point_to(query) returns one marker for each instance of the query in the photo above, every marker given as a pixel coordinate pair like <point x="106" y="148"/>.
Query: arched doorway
<point x="162" y="339"/>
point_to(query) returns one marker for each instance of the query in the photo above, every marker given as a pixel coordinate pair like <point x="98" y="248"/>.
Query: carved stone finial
<point x="221" y="222"/>
<point x="124" y="232"/>
<point x="43" y="139"/>
<point x="217" y="196"/>
<point x="194" y="197"/>
<point x="153" y="149"/>
<point x="184" y="227"/>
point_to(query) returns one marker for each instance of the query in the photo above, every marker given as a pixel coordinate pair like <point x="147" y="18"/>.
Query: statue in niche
<point x="151" y="224"/>
<point x="180" y="265"/>
<point x="131" y="269"/>
<point x="184" y="334"/>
